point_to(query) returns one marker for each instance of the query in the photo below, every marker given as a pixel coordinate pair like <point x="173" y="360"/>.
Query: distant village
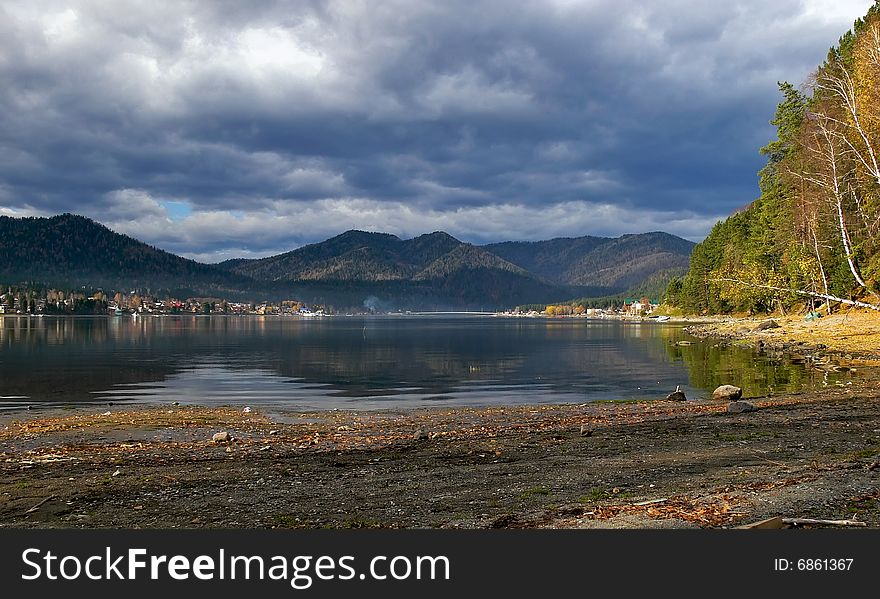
<point x="627" y="307"/>
<point x="53" y="301"/>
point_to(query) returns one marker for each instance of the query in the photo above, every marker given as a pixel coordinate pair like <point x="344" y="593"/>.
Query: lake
<point x="370" y="362"/>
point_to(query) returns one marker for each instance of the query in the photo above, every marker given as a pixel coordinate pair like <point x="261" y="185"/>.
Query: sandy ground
<point x="644" y="465"/>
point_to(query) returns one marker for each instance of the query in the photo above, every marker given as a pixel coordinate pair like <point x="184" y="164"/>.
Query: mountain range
<point x="430" y="271"/>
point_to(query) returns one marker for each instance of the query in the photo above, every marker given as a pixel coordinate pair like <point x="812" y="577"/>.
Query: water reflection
<point x="367" y="362"/>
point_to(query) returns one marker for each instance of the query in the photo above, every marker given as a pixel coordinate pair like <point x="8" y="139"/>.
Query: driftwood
<point x="800" y="521"/>
<point x="779" y="522"/>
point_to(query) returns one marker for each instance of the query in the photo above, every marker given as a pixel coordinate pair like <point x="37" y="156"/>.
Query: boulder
<point x="677" y="395"/>
<point x="727" y="393"/>
<point x="739" y="407"/>
<point x="767" y="324"/>
<point x="222" y="437"/>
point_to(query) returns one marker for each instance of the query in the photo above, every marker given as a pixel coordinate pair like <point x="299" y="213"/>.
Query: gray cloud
<point x="279" y="123"/>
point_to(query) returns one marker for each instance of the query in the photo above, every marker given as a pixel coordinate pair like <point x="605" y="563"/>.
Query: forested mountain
<point x="560" y="268"/>
<point x="69" y="251"/>
<point x="436" y="268"/>
<point x="814" y="232"/>
<point x="549" y="259"/>
<point x="615" y="264"/>
<point x="430" y="271"/>
<point x="351" y="256"/>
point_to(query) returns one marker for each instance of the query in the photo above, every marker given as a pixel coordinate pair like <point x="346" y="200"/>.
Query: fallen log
<point x="801" y="521"/>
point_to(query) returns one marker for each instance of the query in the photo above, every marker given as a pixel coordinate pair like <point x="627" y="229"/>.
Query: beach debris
<point x="38" y="505"/>
<point x="727" y="392"/>
<point x="273" y="432"/>
<point x="652" y="501"/>
<point x="767" y="325"/>
<point x="677" y="395"/>
<point x="247" y="410"/>
<point x="740" y="407"/>
<point x="221" y="437"/>
<point x="586" y="431"/>
<point x="716" y="511"/>
<point x="117" y="473"/>
<point x="107" y="413"/>
<point x="419" y="435"/>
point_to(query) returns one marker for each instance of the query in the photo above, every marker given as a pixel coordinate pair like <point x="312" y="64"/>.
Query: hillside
<point x="813" y="234"/>
<point x="613" y="264"/>
<point x="467" y="257"/>
<point x="351" y="256"/>
<point x="69" y="250"/>
<point x="435" y="269"/>
<point x="549" y="259"/>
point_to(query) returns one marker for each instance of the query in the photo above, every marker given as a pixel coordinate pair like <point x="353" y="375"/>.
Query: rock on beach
<point x="767" y="324"/>
<point x="727" y="393"/>
<point x="740" y="407"/>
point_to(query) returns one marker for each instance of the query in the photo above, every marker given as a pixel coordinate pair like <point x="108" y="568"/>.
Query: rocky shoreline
<point x="642" y="465"/>
<point x="796" y="340"/>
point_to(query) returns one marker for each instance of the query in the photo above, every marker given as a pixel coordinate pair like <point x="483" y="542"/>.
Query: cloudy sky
<point x="226" y="128"/>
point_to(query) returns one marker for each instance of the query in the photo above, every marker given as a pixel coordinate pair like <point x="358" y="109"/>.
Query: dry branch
<point x="34" y="509"/>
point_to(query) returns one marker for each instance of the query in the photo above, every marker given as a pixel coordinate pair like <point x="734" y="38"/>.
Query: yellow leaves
<point x="746" y="293"/>
<point x="866" y="77"/>
<point x="708" y="511"/>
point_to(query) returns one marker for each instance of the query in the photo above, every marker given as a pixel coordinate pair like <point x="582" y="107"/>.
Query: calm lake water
<point x="368" y="362"/>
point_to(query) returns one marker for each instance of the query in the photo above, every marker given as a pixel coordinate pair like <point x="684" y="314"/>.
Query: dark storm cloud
<point x="280" y="123"/>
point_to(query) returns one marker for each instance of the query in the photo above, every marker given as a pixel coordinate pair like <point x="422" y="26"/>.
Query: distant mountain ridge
<point x="71" y="250"/>
<point x="429" y="271"/>
<point x="613" y="263"/>
<point x="350" y="256"/>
